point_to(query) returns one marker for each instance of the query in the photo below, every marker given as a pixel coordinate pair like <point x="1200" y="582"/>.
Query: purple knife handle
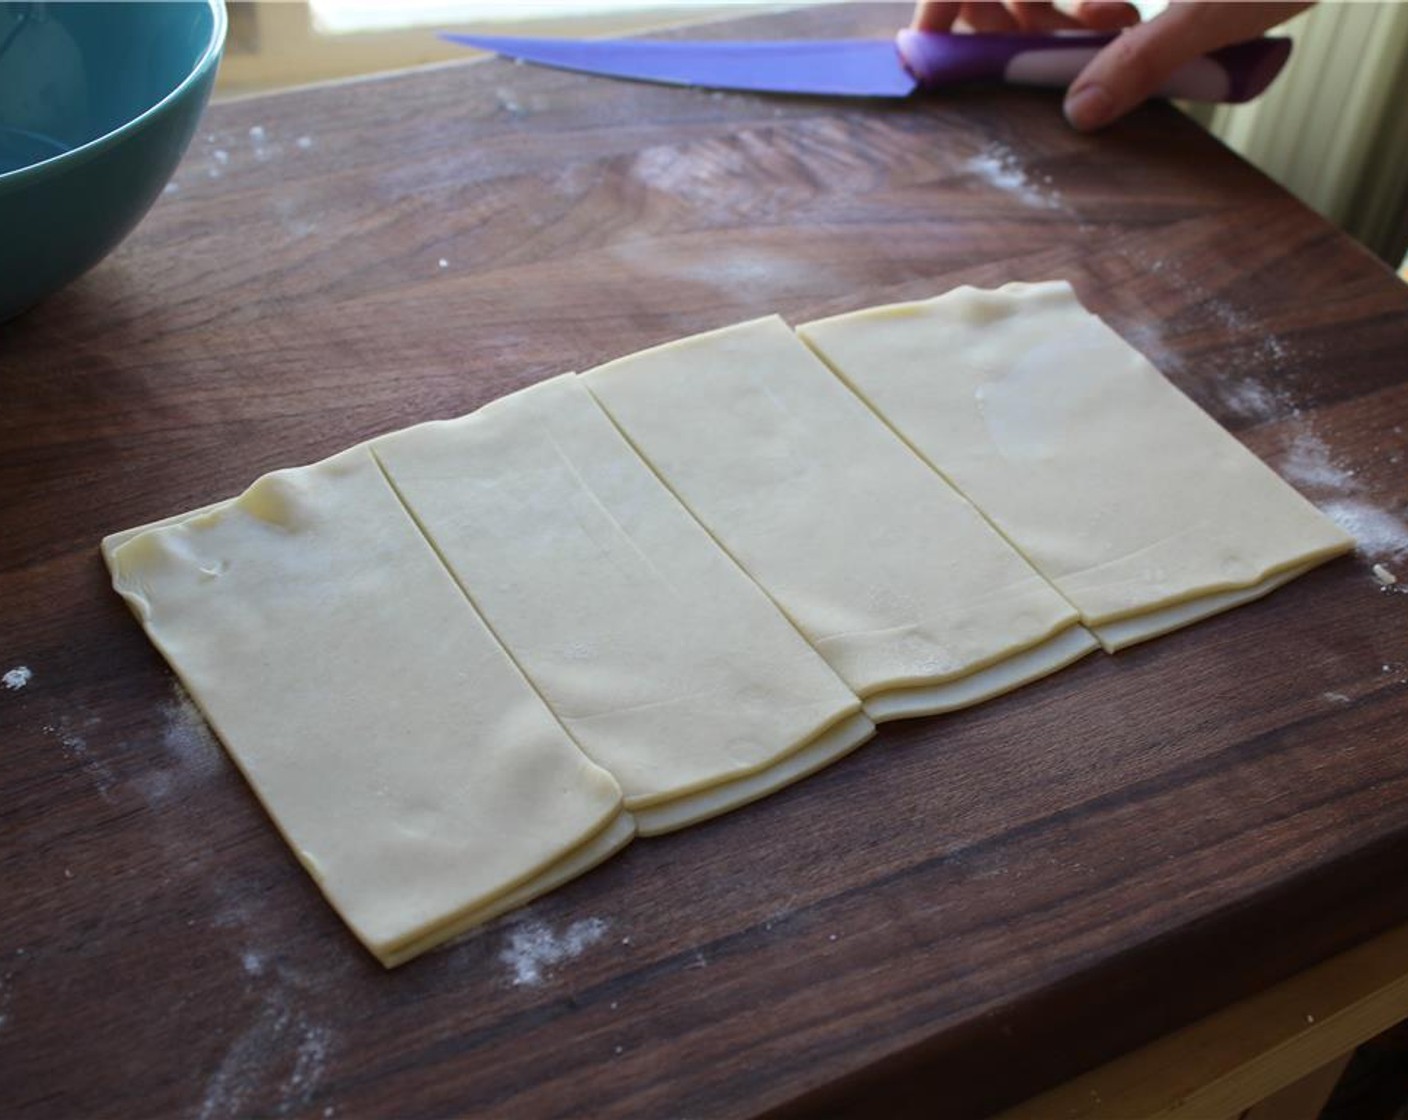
<point x="1232" y="74"/>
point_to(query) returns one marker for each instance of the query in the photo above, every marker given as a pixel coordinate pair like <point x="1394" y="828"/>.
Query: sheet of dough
<point x="894" y="578"/>
<point x="1121" y="491"/>
<point x="663" y="660"/>
<point x="414" y="771"/>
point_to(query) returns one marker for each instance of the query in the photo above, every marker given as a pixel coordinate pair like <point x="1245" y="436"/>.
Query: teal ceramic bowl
<point x="98" y="102"/>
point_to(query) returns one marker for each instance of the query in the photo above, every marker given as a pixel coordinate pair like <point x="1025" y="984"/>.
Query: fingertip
<point x="1107" y="15"/>
<point x="1126" y="71"/>
<point x="1042" y="15"/>
<point x="1089" y="108"/>
<point x="988" y="18"/>
<point x="935" y="15"/>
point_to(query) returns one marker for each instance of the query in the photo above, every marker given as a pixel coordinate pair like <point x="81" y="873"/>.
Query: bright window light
<point x="335" y="17"/>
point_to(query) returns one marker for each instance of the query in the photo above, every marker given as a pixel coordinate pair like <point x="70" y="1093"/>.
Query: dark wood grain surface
<point x="969" y="909"/>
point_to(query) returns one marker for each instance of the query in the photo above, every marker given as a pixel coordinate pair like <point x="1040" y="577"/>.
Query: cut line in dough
<point x="665" y="663"/>
<point x="415" y="773"/>
<point x="825" y="749"/>
<point x="758" y="496"/>
<point x="894" y="577"/>
<point x="1022" y="668"/>
<point x="1119" y="489"/>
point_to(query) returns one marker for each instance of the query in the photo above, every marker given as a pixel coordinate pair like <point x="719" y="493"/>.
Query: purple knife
<point x="882" y="67"/>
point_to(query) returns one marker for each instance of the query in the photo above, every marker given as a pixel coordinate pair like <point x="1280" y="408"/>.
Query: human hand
<point x="1023" y="15"/>
<point x="1138" y="63"/>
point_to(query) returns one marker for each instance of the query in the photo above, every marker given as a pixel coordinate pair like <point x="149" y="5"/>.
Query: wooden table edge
<point x="1238" y="1057"/>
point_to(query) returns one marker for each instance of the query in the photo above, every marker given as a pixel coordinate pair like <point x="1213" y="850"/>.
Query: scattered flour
<point x="1240" y="386"/>
<point x="190" y="752"/>
<point x="533" y="948"/>
<point x="1375" y="530"/>
<point x="282" y="1050"/>
<point x="277" y="1034"/>
<point x="72" y="737"/>
<point x="261" y="146"/>
<point x="18" y="677"/>
<point x="184" y="732"/>
<point x="1250" y="400"/>
<point x="757" y="272"/>
<point x="1270" y="354"/>
<point x="294" y="216"/>
<point x="309" y="1062"/>
<point x="1002" y="168"/>
<point x="1253" y="401"/>
<point x="1379" y="534"/>
<point x="1308" y="463"/>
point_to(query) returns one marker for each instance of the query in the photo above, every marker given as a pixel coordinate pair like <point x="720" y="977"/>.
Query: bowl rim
<point x="86" y="151"/>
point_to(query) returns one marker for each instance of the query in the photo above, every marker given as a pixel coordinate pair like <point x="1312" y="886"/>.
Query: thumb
<point x="1142" y="59"/>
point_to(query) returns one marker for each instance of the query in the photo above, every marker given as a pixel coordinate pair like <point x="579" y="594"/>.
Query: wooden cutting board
<point x="969" y="909"/>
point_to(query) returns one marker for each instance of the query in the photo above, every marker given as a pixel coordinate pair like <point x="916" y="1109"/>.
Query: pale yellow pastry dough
<point x="836" y="742"/>
<point x="1120" y="490"/>
<point x="113" y="541"/>
<point x="663" y="660"/>
<point x="417" y="775"/>
<point x="1021" y="668"/>
<point x="895" y="578"/>
<point x="1162" y="620"/>
<point x="424" y="781"/>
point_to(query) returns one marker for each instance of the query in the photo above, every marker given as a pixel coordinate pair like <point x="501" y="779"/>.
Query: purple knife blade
<point x="842" y="68"/>
<point x="882" y="68"/>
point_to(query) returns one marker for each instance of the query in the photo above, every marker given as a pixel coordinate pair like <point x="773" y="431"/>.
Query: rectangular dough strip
<point x="889" y="572"/>
<point x="1141" y="509"/>
<point x="417" y="776"/>
<point x="661" y="658"/>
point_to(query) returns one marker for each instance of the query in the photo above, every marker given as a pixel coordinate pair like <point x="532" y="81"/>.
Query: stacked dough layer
<point x="1136" y="505"/>
<point x="469" y="660"/>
